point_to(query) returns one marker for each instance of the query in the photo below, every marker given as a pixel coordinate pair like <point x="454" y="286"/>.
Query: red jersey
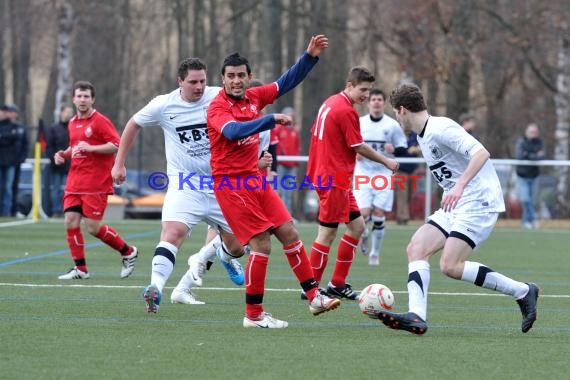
<point x="91" y="172"/>
<point x="236" y="157"/>
<point x="335" y="133"/>
<point x="289" y="143"/>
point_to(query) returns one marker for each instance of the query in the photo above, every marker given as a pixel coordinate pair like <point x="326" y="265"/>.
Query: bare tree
<point x="457" y="33"/>
<point x="64" y="63"/>
<point x="3" y="32"/>
<point x="198" y="30"/>
<point x="271" y="43"/>
<point x="21" y="53"/>
<point x="562" y="101"/>
<point x="181" y="17"/>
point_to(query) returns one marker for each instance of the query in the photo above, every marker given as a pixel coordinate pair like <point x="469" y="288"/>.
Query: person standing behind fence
<point x="13" y="112"/>
<point x="469" y="123"/>
<point x="58" y="139"/>
<point x="289" y="145"/>
<point x="404" y="195"/>
<point x="529" y="147"/>
<point x="8" y="160"/>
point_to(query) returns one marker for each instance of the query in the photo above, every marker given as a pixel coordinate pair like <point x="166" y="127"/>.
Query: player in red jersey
<point x="93" y="142"/>
<point x="251" y="207"/>
<point x="335" y="141"/>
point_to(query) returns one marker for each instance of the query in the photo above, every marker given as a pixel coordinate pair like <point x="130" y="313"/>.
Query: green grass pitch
<point x="99" y="329"/>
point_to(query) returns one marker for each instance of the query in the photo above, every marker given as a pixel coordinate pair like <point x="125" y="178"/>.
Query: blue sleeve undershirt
<point x="296" y="73"/>
<point x="290" y="79"/>
<point x="235" y="130"/>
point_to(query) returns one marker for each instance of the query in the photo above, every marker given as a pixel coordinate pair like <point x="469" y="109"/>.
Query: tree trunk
<point x="459" y="62"/>
<point x="19" y="19"/>
<point x="213" y="55"/>
<point x="64" y="59"/>
<point x="272" y="53"/>
<point x="182" y="28"/>
<point x="292" y="42"/>
<point x="198" y="30"/>
<point x="3" y="32"/>
<point x="561" y="100"/>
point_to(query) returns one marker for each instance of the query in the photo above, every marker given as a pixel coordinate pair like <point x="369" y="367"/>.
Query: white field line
<point x="242" y="289"/>
<point x="17" y="223"/>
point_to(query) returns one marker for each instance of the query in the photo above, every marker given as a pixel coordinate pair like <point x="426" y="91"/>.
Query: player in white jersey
<point x="182" y="116"/>
<point x="471" y="203"/>
<point x="375" y="197"/>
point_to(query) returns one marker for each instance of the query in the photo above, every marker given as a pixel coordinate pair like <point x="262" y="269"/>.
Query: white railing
<point x="428" y="183"/>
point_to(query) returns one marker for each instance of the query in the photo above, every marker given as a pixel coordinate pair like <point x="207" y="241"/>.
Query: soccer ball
<point x="375" y="298"/>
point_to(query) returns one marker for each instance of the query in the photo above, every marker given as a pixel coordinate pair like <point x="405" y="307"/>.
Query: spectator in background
<point x="58" y="139"/>
<point x="529" y="147"/>
<point x="289" y="145"/>
<point x="469" y="123"/>
<point x="13" y="151"/>
<point x="404" y="196"/>
<point x="7" y="160"/>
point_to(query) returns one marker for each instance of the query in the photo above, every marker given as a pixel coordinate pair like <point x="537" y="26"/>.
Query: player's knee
<point x="450" y="268"/>
<point x="93" y="229"/>
<point x="416" y="251"/>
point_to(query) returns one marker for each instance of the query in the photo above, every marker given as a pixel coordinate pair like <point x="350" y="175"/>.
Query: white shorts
<point x="368" y="197"/>
<point x="192" y="207"/>
<point x="474" y="229"/>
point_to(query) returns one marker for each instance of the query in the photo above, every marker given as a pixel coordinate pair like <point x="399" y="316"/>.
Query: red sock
<point x="76" y="248"/>
<point x="255" y="271"/>
<point x="299" y="263"/>
<point x="109" y="236"/>
<point x="344" y="258"/>
<point x="319" y="260"/>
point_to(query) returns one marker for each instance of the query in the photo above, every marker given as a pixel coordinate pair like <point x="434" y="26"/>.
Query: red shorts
<point x="92" y="206"/>
<point x="335" y="205"/>
<point x="250" y="212"/>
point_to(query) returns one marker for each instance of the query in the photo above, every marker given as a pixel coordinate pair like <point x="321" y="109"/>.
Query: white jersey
<point x="186" y="140"/>
<point x="377" y="134"/>
<point x="264" y="141"/>
<point x="447" y="149"/>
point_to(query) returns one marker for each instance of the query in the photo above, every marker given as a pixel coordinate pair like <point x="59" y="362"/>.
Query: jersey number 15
<point x="440" y="171"/>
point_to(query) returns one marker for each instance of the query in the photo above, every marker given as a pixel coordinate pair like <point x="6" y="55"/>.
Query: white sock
<point x="208" y="252"/>
<point x="163" y="264"/>
<point x="377" y="234"/>
<point x="186" y="282"/>
<point x="418" y="284"/>
<point x="487" y="278"/>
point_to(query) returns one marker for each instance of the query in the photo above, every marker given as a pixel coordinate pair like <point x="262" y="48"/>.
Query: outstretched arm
<point x="119" y="172"/>
<point x="296" y="73"/>
<point x="236" y="130"/>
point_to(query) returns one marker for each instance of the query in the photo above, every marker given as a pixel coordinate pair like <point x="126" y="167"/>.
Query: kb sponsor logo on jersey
<point x="195" y="133"/>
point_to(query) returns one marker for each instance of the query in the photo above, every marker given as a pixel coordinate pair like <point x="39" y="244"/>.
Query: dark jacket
<point x="527" y="149"/>
<point x="57" y="138"/>
<point x="13" y="143"/>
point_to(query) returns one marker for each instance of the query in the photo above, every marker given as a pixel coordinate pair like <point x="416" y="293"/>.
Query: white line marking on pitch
<point x="95" y="286"/>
